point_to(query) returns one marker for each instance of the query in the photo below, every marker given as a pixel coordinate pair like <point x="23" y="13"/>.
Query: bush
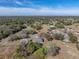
<point x="53" y="50"/>
<point x="6" y="30"/>
<point x="67" y="23"/>
<point x="30" y="31"/>
<point x="72" y="37"/>
<point x="1" y="36"/>
<point x="52" y="28"/>
<point x="60" y="25"/>
<point x="32" y="47"/>
<point x="59" y="36"/>
<point x="17" y="56"/>
<point x="37" y="26"/>
<point x="77" y="46"/>
<point x="40" y="53"/>
<point x="4" y="33"/>
<point x="28" y="49"/>
<point x="13" y="38"/>
<point x="22" y="48"/>
<point x="48" y="37"/>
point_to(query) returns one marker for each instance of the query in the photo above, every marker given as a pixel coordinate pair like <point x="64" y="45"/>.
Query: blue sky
<point x="39" y="7"/>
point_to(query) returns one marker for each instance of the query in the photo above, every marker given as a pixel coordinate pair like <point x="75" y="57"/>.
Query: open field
<point x="56" y="37"/>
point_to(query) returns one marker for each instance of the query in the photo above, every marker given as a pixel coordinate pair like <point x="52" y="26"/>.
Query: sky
<point x="39" y="7"/>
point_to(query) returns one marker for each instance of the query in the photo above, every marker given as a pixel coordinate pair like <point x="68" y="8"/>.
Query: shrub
<point x="22" y="48"/>
<point x="59" y="25"/>
<point x="1" y="36"/>
<point x="13" y="38"/>
<point x="77" y="46"/>
<point x="72" y="37"/>
<point x="53" y="50"/>
<point x="37" y="26"/>
<point x="48" y="37"/>
<point x="59" y="36"/>
<point x="67" y="23"/>
<point x="52" y="28"/>
<point x="17" y="56"/>
<point x="23" y="36"/>
<point x="28" y="49"/>
<point x="40" y="53"/>
<point x="32" y="47"/>
<point x="30" y="31"/>
<point x="4" y="33"/>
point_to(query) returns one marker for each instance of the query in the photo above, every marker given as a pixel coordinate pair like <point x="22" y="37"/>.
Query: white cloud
<point x="22" y="2"/>
<point x="40" y="11"/>
<point x="18" y="2"/>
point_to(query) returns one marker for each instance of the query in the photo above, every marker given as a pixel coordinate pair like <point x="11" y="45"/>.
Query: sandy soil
<point x="68" y="50"/>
